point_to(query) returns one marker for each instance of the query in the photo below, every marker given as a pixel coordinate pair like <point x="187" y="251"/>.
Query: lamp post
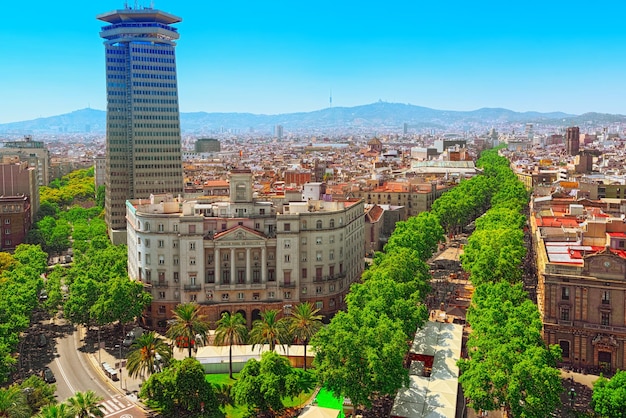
<point x="572" y="397"/>
<point x="120" y="346"/>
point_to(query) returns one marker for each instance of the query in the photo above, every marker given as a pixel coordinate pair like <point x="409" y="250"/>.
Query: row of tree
<point x="20" y="284"/>
<point x="508" y="364"/>
<point x="360" y="354"/>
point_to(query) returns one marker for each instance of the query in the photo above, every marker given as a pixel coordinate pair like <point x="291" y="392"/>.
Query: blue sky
<point x="286" y="56"/>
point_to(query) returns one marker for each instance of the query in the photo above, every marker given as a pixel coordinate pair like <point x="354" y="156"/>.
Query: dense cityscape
<point x="386" y="260"/>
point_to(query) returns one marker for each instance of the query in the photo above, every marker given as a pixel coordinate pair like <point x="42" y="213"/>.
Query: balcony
<point x="162" y="284"/>
<point x="192" y="287"/>
<point x="605" y="328"/>
<point x="288" y="284"/>
<point x="564" y="322"/>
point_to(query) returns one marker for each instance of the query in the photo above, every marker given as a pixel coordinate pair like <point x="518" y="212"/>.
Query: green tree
<point x="83" y="292"/>
<point x="304" y="323"/>
<point x="609" y="396"/>
<point x="55" y="411"/>
<point x="188" y="327"/>
<point x="421" y="233"/>
<point x="86" y="405"/>
<point x="38" y="392"/>
<point x="262" y="385"/>
<point x="142" y="357"/>
<point x="360" y="355"/>
<point x="231" y="329"/>
<point x="7" y="262"/>
<point x="121" y="300"/>
<point x="270" y="329"/>
<point x="181" y="390"/>
<point x="13" y="403"/>
<point x="32" y="256"/>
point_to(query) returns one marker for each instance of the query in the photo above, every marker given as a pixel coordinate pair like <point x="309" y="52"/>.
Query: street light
<point x="572" y="397"/>
<point x="120" y="346"/>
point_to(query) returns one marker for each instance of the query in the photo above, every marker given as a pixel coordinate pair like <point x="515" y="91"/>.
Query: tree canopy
<point x="609" y="396"/>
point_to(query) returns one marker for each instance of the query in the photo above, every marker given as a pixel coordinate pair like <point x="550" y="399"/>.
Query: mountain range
<point x="371" y="117"/>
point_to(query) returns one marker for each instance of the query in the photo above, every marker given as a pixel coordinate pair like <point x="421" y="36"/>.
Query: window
<point x="210" y="276"/>
<point x="209" y="259"/>
<point x="318" y="224"/>
<point x="175" y="260"/>
<point x="161" y="228"/>
<point x="147" y="243"/>
<point x="303" y="241"/>
<point x="271" y="295"/>
<point x="175" y="243"/>
<point x="304" y="290"/>
<point x="148" y="259"/>
<point x="287" y="227"/>
<point x="161" y="295"/>
<point x="606" y="318"/>
<point x="241" y="276"/>
<point x="331" y="239"/>
<point x="256" y="296"/>
<point x="287" y="258"/>
<point x="240" y="296"/>
<point x="271" y="275"/>
<point x="226" y="277"/>
<point x="332" y="223"/>
<point x="7" y="231"/>
<point x="147" y="226"/>
<point x="564" y="348"/>
<point x="148" y="275"/>
<point x="139" y="240"/>
<point x="304" y="273"/>
<point x="7" y="221"/>
<point x="224" y="296"/>
<point x="138" y="255"/>
<point x="331" y="288"/>
<point x="287" y="295"/>
<point x="564" y="314"/>
<point x="303" y="225"/>
<point x="565" y="293"/>
<point x="193" y="298"/>
<point x="303" y="257"/>
<point x="606" y="297"/>
<point x="332" y="303"/>
<point x="161" y="243"/>
<point x="192" y="229"/>
<point x="192" y="246"/>
<point x="162" y="309"/>
<point x="319" y="304"/>
<point x="318" y="290"/>
<point x="318" y="240"/>
<point x="8" y="242"/>
<point x="287" y="243"/>
<point x="175" y="277"/>
<point x="331" y="255"/>
<point x="261" y="211"/>
<point x="209" y="295"/>
<point x="161" y="259"/>
<point x="175" y="227"/>
<point x="318" y="256"/>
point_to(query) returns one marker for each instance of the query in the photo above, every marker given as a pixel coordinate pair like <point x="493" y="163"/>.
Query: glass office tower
<point x="143" y="145"/>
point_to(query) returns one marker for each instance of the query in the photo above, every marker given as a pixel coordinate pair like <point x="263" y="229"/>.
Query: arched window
<point x="332" y="223"/>
<point x="318" y="224"/>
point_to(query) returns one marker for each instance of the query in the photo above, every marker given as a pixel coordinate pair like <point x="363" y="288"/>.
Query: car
<point x="48" y="376"/>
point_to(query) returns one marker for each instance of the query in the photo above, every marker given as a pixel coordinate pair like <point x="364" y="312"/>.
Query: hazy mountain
<point x="372" y="116"/>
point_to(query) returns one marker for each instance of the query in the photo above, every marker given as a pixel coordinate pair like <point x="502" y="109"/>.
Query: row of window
<point x="155" y="101"/>
<point x="606" y="295"/>
<point x="154" y="76"/>
<point x="150" y="68"/>
<point x="153" y="59"/>
<point x="318" y="224"/>
<point x="158" y="51"/>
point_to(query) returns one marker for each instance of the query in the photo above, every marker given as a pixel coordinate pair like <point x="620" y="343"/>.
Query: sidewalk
<point x="115" y="356"/>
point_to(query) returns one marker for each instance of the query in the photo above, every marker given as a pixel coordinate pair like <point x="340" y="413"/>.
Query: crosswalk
<point x="115" y="405"/>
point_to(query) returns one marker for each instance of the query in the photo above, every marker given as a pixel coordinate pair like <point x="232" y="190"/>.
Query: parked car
<point x="48" y="376"/>
<point x="131" y="336"/>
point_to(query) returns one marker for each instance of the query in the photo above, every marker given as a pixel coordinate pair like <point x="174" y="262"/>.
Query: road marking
<point x="67" y="381"/>
<point x="114" y="406"/>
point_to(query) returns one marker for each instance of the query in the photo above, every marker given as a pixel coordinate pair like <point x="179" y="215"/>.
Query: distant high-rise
<point x="143" y="146"/>
<point x="572" y="140"/>
<point x="278" y="131"/>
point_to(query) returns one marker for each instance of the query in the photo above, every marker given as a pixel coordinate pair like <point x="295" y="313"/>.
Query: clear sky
<point x="283" y="56"/>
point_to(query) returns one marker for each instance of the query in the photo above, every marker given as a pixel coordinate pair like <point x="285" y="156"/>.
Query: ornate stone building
<point x="244" y="255"/>
<point x="581" y="291"/>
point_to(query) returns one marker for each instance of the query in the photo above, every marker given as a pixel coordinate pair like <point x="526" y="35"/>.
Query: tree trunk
<point x="305" y="355"/>
<point x="230" y="360"/>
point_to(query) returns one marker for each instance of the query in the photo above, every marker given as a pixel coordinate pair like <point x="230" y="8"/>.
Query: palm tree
<point x="304" y="324"/>
<point x="269" y="330"/>
<point x="55" y="411"/>
<point x="143" y="358"/>
<point x="231" y="329"/>
<point x="13" y="403"/>
<point x="189" y="326"/>
<point x="86" y="405"/>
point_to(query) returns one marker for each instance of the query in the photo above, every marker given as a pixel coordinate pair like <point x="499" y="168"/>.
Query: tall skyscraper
<point x="143" y="147"/>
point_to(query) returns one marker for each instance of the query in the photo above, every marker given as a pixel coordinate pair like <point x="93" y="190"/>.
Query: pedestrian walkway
<point x="116" y="405"/>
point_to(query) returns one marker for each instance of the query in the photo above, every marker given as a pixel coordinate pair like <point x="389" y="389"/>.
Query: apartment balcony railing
<point x="192" y="287"/>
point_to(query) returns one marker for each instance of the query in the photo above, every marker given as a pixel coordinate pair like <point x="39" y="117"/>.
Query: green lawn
<point x="327" y="399"/>
<point x="239" y="411"/>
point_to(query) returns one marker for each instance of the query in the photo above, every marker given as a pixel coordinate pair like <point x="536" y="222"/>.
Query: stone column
<point x="233" y="276"/>
<point x="248" y="266"/>
<point x="218" y="263"/>
<point x="263" y="266"/>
